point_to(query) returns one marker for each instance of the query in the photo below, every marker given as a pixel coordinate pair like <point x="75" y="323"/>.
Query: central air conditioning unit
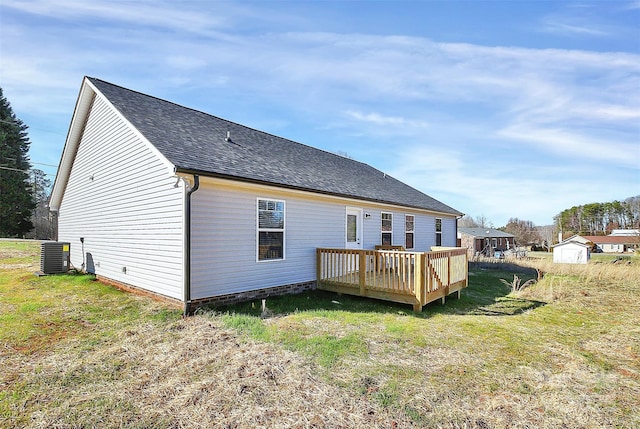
<point x="55" y="257"/>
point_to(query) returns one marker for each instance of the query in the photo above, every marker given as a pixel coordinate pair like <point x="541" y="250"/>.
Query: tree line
<point x="600" y="218"/>
<point x="24" y="191"/>
<point x="586" y="219"/>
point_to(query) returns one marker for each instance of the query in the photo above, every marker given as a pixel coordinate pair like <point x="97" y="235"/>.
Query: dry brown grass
<point x="193" y="374"/>
<point x="573" y="362"/>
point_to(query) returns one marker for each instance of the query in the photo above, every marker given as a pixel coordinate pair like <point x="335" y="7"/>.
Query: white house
<point x="159" y="197"/>
<point x="571" y="252"/>
<point x="614" y="243"/>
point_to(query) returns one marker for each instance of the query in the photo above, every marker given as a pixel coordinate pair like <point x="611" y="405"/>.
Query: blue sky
<point x="501" y="109"/>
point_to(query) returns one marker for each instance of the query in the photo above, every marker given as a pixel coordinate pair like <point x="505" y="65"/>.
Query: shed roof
<point x="571" y="242"/>
<point x="196" y="142"/>
<point x="485" y="232"/>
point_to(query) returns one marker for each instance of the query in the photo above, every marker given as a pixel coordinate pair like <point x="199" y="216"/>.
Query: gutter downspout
<point x="187" y="250"/>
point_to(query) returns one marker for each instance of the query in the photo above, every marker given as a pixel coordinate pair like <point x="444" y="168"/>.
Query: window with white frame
<point x="270" y="230"/>
<point x="386" y="228"/>
<point x="409" y="225"/>
<point x="438" y="232"/>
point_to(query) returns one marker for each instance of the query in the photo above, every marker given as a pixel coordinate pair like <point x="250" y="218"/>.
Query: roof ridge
<point x="231" y="122"/>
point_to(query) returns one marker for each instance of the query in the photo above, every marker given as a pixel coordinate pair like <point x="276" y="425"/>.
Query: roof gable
<point x="571" y="243"/>
<point x="578" y="238"/>
<point x="196" y="142"/>
<point x="82" y="110"/>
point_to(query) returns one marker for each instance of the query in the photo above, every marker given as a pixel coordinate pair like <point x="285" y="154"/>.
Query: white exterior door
<point x="353" y="238"/>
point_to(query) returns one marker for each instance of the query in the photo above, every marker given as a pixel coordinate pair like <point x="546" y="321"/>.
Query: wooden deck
<point x="415" y="278"/>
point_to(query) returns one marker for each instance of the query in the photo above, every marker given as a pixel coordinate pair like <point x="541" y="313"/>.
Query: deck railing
<point x="415" y="278"/>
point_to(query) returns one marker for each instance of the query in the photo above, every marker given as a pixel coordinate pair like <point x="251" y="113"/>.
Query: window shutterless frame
<point x="438" y="231"/>
<point x="386" y="228"/>
<point x="409" y="231"/>
<point x="270" y="230"/>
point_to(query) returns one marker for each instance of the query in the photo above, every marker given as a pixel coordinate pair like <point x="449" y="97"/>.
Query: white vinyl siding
<point x="224" y="236"/>
<point x="449" y="236"/>
<point x="223" y="251"/>
<point x="121" y="198"/>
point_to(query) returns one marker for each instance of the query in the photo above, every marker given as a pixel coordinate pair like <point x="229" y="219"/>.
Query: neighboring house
<point x="484" y="241"/>
<point x="159" y="197"/>
<point x="571" y="252"/>
<point x="614" y="243"/>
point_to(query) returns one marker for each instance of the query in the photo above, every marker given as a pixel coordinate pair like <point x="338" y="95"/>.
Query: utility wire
<point x="32" y="128"/>
<point x="23" y="171"/>
<point x="14" y="169"/>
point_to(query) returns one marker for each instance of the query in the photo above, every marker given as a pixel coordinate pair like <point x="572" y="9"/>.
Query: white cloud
<point x="385" y="125"/>
<point x="502" y="189"/>
<point x="480" y="103"/>
<point x="554" y="26"/>
<point x="159" y="14"/>
<point x="575" y="145"/>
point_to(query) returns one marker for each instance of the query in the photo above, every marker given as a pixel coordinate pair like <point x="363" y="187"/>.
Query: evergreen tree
<point x="16" y="196"/>
<point x="600" y="218"/>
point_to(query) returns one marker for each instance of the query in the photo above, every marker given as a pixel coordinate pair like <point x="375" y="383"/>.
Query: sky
<point x="499" y="109"/>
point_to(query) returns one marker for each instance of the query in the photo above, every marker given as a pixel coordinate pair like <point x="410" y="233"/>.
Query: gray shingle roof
<point x="195" y="142"/>
<point x="484" y="232"/>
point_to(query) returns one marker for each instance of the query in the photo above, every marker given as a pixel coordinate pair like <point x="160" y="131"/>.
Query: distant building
<point x="608" y="243"/>
<point x="614" y="243"/>
<point x="571" y="252"/>
<point x="484" y="241"/>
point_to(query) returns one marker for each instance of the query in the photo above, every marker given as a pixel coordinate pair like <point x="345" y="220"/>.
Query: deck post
<point x="429" y="282"/>
<point x="362" y="269"/>
<point x="448" y="269"/>
<point x="417" y="280"/>
<point x="466" y="264"/>
<point x="318" y="266"/>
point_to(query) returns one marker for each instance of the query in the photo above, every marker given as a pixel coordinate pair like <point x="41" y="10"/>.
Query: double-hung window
<point x="409" y="225"/>
<point x="270" y="229"/>
<point x="387" y="228"/>
<point x="438" y="232"/>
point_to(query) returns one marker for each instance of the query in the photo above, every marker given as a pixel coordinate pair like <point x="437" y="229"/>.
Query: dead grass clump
<point x="516" y="285"/>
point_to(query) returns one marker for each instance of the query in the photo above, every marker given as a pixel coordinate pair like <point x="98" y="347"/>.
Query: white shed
<point x="571" y="252"/>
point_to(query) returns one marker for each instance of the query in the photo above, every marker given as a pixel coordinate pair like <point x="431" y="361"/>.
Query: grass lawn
<point x="564" y="352"/>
